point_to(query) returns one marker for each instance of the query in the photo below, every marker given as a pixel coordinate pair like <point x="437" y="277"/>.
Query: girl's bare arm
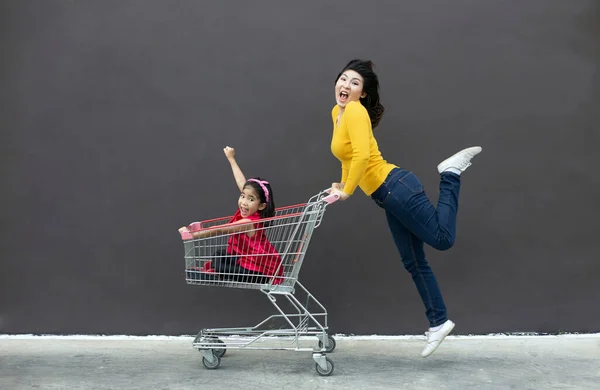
<point x="238" y="175"/>
<point x="243" y="225"/>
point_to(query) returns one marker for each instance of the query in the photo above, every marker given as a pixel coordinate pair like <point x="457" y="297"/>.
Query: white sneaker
<point x="434" y="339"/>
<point x="461" y="160"/>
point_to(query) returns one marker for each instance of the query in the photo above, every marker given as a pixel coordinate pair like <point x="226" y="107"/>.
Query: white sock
<point x="436" y="328"/>
<point x="454" y="170"/>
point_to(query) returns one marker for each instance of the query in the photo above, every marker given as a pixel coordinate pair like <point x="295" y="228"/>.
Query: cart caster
<point x="220" y="352"/>
<point x="331" y="342"/>
<point x="324" y="365"/>
<point x="210" y="360"/>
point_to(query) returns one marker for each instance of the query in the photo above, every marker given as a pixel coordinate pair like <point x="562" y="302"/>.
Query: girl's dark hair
<point x="268" y="211"/>
<point x="370" y="87"/>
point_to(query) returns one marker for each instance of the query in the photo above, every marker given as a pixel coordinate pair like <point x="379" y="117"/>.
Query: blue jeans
<point x="413" y="220"/>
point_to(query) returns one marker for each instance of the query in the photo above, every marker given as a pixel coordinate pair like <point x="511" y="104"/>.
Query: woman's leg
<point x="410" y="205"/>
<point x="413" y="257"/>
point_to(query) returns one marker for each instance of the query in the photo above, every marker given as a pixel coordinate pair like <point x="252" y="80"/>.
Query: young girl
<point x="249" y="256"/>
<point x="411" y="217"/>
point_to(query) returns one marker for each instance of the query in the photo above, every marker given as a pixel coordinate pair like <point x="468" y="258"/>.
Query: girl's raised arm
<point x="238" y="175"/>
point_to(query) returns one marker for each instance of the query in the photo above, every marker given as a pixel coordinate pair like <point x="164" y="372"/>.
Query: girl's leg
<point x="252" y="277"/>
<point x="224" y="264"/>
<point x="243" y="275"/>
<point x="413" y="257"/>
<point x="227" y="267"/>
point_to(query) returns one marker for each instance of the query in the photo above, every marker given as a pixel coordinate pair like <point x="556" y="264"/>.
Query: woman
<point x="411" y="217"/>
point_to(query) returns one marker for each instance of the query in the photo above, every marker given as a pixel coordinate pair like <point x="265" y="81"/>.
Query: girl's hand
<point x="185" y="233"/>
<point x="229" y="152"/>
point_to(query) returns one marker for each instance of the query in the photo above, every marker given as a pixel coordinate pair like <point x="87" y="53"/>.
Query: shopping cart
<point x="289" y="233"/>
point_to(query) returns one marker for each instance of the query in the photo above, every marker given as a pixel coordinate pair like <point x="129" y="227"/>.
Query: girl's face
<point x="249" y="202"/>
<point x="349" y="88"/>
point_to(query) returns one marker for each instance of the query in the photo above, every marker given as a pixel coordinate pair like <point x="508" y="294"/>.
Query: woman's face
<point x="349" y="88"/>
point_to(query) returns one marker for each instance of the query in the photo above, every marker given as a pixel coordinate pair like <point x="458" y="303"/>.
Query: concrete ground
<point x="509" y="362"/>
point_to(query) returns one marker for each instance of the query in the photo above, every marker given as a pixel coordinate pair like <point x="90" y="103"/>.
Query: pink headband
<point x="263" y="186"/>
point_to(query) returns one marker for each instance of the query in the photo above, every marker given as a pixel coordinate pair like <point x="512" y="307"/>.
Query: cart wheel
<point x="209" y="365"/>
<point x="331" y="346"/>
<point x="326" y="372"/>
<point x="220" y="352"/>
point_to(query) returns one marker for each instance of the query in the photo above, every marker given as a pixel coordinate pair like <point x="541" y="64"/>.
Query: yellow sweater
<point x="354" y="145"/>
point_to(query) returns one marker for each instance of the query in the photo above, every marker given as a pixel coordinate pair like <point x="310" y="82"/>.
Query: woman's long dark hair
<point x="370" y="87"/>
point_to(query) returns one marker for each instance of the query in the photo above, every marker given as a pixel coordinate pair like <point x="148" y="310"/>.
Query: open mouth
<point x="343" y="96"/>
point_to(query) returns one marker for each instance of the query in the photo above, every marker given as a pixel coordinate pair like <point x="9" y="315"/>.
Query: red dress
<point x="255" y="253"/>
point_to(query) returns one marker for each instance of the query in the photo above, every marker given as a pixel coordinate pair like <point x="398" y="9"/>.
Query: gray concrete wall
<point x="113" y="115"/>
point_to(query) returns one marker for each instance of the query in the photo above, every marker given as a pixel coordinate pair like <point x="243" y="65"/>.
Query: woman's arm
<point x="358" y="124"/>
<point x="344" y="175"/>
<point x="238" y="175"/>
